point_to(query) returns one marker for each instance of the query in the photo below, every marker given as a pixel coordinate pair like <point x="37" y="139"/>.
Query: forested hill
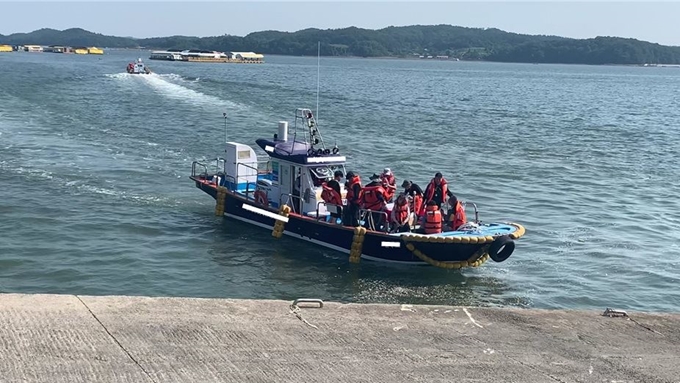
<point x="75" y="37"/>
<point x="488" y="44"/>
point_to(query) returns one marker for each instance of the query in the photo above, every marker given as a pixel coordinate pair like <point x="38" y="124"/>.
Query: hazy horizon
<point x="648" y="21"/>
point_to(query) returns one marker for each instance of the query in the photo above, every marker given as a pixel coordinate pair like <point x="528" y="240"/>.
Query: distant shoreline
<point x="406" y="43"/>
<point x="412" y="58"/>
<point x="434" y="59"/>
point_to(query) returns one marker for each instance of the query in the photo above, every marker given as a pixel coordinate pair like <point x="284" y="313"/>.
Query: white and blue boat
<point x="282" y="193"/>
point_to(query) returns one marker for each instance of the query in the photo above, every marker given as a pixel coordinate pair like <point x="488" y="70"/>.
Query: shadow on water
<point x="288" y="268"/>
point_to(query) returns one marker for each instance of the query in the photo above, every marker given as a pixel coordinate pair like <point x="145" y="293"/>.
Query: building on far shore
<point x="196" y="55"/>
<point x="246" y="56"/>
<point x="33" y="48"/>
<point x="6" y="48"/>
<point x="57" y="49"/>
<point x="77" y="50"/>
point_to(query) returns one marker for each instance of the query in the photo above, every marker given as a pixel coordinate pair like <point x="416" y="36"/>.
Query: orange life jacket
<point x="370" y="199"/>
<point x="429" y="190"/>
<point x="330" y="195"/>
<point x="351" y="198"/>
<point x="400" y="213"/>
<point x="433" y="220"/>
<point x="458" y="217"/>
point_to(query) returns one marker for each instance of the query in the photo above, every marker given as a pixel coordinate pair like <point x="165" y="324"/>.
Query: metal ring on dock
<point x="308" y="300"/>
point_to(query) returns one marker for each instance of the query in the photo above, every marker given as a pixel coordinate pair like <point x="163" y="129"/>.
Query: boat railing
<point x="367" y="215"/>
<point x="474" y="205"/>
<point x="248" y="183"/>
<point x="337" y="208"/>
<point x="288" y="198"/>
<point x="231" y="179"/>
<point x="197" y="165"/>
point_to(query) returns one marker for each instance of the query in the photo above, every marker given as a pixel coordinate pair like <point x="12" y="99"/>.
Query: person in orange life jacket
<point x="335" y="185"/>
<point x="353" y="186"/>
<point x="399" y="219"/>
<point x="416" y="194"/>
<point x="389" y="183"/>
<point x="331" y="193"/>
<point x="457" y="217"/>
<point x="432" y="220"/>
<point x="437" y="190"/>
<point x="373" y="198"/>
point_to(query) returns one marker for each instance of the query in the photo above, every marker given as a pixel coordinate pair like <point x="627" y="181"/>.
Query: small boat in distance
<point x="138" y="67"/>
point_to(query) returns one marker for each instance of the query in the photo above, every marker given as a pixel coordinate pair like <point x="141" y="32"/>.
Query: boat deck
<point x="483" y="230"/>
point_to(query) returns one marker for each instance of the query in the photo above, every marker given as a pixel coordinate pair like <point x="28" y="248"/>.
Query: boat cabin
<point x="292" y="171"/>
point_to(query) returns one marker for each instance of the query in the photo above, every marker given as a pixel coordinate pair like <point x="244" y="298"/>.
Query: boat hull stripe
<point x="265" y="213"/>
<point x="390" y="244"/>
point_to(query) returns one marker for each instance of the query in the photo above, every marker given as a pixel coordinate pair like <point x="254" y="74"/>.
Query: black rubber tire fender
<point x="501" y="248"/>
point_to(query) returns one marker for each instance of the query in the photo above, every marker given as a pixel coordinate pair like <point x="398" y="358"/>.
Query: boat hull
<point x="400" y="248"/>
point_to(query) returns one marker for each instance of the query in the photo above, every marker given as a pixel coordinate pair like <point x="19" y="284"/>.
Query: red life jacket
<point x="418" y="205"/>
<point x="429" y="190"/>
<point x="390" y="185"/>
<point x="433" y="220"/>
<point x="400" y="213"/>
<point x="330" y="195"/>
<point x="351" y="198"/>
<point x="370" y="199"/>
<point x="458" y="217"/>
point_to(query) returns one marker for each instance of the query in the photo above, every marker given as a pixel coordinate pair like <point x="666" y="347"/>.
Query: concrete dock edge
<point x="68" y="338"/>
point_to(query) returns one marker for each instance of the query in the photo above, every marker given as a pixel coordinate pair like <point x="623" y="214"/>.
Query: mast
<point x="318" y="81"/>
<point x="226" y="137"/>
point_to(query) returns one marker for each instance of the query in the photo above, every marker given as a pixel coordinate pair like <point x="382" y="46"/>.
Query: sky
<point x="644" y="20"/>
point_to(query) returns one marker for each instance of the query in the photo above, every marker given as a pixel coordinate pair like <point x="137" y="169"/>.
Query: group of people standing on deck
<point x="426" y="205"/>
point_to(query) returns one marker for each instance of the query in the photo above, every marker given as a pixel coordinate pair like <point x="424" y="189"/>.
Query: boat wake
<point x="122" y="75"/>
<point x="163" y="86"/>
<point x="177" y="77"/>
<point x="79" y="186"/>
<point x="168" y="76"/>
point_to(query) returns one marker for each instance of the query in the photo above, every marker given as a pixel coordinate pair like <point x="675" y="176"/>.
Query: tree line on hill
<point x="488" y="44"/>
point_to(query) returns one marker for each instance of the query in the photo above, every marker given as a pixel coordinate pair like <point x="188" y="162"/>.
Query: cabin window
<point x="275" y="171"/>
<point x="243" y="154"/>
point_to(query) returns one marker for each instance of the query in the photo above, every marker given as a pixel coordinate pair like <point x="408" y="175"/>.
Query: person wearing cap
<point x="416" y="194"/>
<point x="373" y="198"/>
<point x="437" y="190"/>
<point x="353" y="186"/>
<point x="457" y="217"/>
<point x="389" y="183"/>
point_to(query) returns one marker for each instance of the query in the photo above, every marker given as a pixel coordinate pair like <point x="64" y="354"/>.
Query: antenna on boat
<point x="226" y="138"/>
<point x="318" y="81"/>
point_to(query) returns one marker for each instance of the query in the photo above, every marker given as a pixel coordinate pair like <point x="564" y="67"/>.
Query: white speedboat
<point x="138" y="67"/>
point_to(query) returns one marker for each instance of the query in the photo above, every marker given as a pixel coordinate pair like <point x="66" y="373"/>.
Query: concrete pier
<point x="66" y="338"/>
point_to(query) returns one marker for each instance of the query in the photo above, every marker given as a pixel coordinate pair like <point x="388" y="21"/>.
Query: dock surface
<point x="67" y="338"/>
